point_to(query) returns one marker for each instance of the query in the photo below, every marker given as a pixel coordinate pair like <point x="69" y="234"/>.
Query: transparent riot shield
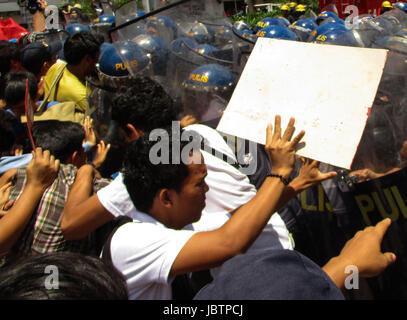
<point x="181" y="36"/>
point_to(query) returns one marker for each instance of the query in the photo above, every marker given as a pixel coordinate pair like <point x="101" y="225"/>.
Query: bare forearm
<point x="335" y="269"/>
<point x="38" y="21"/>
<point x="14" y="222"/>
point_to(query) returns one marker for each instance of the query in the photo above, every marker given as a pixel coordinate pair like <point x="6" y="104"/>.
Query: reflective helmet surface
<point x="303" y="28"/>
<point x="162" y="26"/>
<point x="114" y="59"/>
<point x="283" y="21"/>
<point x="308" y="23"/>
<point x="328" y="26"/>
<point x="206" y="92"/>
<point x="241" y="25"/>
<point x="210" y="77"/>
<point x="158" y="50"/>
<point x="201" y="33"/>
<point x="265" y="23"/>
<point x="76" y="28"/>
<point x="105" y="19"/>
<point x="401" y="6"/>
<point x="332" y="19"/>
<point x="324" y="15"/>
<point x="277" y="32"/>
<point x="336" y="37"/>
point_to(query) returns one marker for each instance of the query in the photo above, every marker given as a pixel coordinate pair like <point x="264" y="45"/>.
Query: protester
<point x="42" y="234"/>
<point x="61" y="276"/>
<point x="81" y="52"/>
<point x="172" y="196"/>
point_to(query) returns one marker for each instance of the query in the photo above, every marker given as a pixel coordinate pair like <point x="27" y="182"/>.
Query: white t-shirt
<point x="144" y="251"/>
<point x="228" y="189"/>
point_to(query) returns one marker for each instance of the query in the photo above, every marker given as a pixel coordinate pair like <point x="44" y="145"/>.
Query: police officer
<point x="386" y="6"/>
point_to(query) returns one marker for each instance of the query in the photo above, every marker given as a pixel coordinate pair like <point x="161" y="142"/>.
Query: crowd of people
<point x="79" y="189"/>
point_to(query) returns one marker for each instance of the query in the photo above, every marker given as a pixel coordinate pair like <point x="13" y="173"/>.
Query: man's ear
<point x="165" y="198"/>
<point x="77" y="158"/>
<point x="132" y="134"/>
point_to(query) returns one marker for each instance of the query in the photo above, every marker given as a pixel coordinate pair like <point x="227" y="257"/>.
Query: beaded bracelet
<point x="284" y="180"/>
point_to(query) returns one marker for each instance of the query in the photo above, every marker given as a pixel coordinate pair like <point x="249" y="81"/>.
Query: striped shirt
<point x="43" y="232"/>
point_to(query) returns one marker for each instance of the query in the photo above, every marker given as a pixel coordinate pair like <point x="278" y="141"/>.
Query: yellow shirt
<point x="70" y="88"/>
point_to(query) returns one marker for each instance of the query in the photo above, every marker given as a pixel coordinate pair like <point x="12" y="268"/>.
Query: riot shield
<point x="196" y="34"/>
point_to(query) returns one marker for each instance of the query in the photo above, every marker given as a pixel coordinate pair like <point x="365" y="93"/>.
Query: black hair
<point x="143" y="178"/>
<point x="79" y="45"/>
<point x="144" y="104"/>
<point x="61" y="138"/>
<point x="15" y="83"/>
<point x="61" y="276"/>
<point x="6" y="131"/>
<point x="8" y="52"/>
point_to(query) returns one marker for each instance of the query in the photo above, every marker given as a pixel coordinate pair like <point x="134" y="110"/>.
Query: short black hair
<point x="143" y="179"/>
<point x="79" y="277"/>
<point x="15" y="83"/>
<point x="8" y="52"/>
<point x="144" y="104"/>
<point x="6" y="131"/>
<point x="79" y="45"/>
<point x="61" y="138"/>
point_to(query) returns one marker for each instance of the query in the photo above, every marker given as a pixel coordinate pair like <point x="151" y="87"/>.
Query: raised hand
<point x="310" y="175"/>
<point x="42" y="169"/>
<point x="280" y="149"/>
<point x="90" y="135"/>
<point x="102" y="151"/>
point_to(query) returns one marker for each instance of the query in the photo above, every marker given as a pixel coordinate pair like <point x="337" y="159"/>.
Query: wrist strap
<point x="91" y="164"/>
<point x="284" y="180"/>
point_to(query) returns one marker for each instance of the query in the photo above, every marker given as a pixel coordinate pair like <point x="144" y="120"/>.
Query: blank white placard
<point x="329" y="90"/>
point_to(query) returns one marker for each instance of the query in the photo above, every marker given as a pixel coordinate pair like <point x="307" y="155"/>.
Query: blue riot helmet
<point x="338" y="37"/>
<point x="303" y="28"/>
<point x="223" y="35"/>
<point x="283" y="21"/>
<point x="327" y="26"/>
<point x="277" y="32"/>
<point x="104" y="46"/>
<point x="205" y="49"/>
<point x="201" y="33"/>
<point x="241" y="25"/>
<point x="180" y="64"/>
<point x="102" y="25"/>
<point x="267" y="22"/>
<point x="206" y="92"/>
<point x="246" y="33"/>
<point x="123" y="59"/>
<point x="161" y="26"/>
<point x="400" y="5"/>
<point x="158" y="51"/>
<point x="333" y="19"/>
<point x="324" y="15"/>
<point x="183" y="46"/>
<point x="76" y="28"/>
